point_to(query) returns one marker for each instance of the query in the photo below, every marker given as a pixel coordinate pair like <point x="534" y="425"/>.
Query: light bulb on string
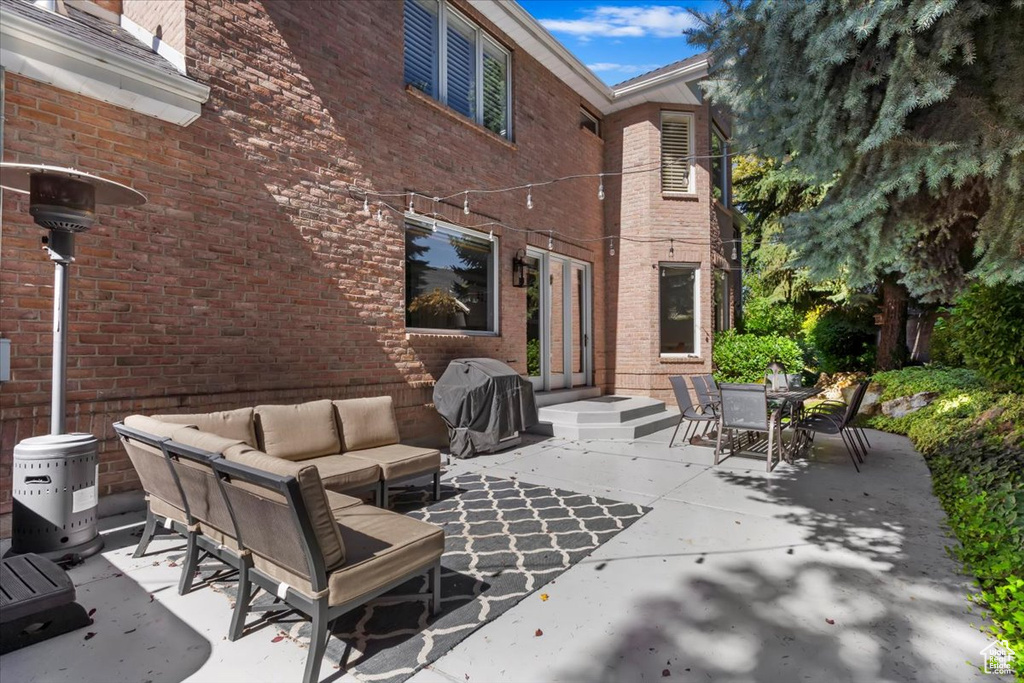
<point x="490" y="235"/>
<point x="611" y="247"/>
<point x="433" y="225"/>
<point x="366" y="205"/>
<point x="671" y="248"/>
<point x="380" y="213"/>
<point x="465" y="203"/>
<point x="551" y="241"/>
<point x="600" y="188"/>
<point x="734" y="254"/>
<point x="412" y="209"/>
<point x="529" y="196"/>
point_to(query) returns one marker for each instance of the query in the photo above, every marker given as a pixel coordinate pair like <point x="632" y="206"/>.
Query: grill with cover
<point x="483" y="402"/>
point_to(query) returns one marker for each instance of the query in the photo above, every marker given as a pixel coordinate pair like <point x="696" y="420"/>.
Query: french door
<point x="559" y="315"/>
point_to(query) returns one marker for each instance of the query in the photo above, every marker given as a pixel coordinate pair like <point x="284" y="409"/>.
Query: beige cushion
<point x="398" y="461"/>
<point x="381" y="547"/>
<point x="367" y="422"/>
<point x="297" y="432"/>
<point x="342" y="473"/>
<point x="339" y="501"/>
<point x="161" y="508"/>
<point x="231" y="424"/>
<point x="155" y="427"/>
<point x="205" y="441"/>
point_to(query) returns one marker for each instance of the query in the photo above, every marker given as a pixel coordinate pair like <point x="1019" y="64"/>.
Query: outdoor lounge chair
<point x="687" y="411"/>
<point x="320" y="563"/>
<point x="745" y="408"/>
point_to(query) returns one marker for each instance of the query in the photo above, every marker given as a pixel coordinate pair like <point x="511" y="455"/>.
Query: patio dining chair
<point x="745" y="408"/>
<point x="831" y="420"/>
<point x="839" y="408"/>
<point x="707" y="392"/>
<point x="695" y="416"/>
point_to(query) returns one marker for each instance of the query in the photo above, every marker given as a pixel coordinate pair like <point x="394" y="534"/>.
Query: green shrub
<point x="839" y="340"/>
<point x="744" y="357"/>
<point x="944" y="351"/>
<point x="973" y="441"/>
<point x="987" y="325"/>
<point x="763" y="317"/>
<point x="533" y="357"/>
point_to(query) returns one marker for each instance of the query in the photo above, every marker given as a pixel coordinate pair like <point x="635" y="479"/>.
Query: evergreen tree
<point x="914" y="109"/>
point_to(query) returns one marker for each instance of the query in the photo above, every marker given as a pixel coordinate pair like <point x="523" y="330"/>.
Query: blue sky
<point x="619" y="39"/>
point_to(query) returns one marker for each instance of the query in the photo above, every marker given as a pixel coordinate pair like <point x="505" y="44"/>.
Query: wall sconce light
<point x="519" y="269"/>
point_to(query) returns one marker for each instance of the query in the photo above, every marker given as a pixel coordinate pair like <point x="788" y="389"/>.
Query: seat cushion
<point x="398" y="461"/>
<point x="367" y="422"/>
<point x="162" y="508"/>
<point x="382" y="546"/>
<point x="231" y="424"/>
<point x="154" y="427"/>
<point x="339" y="501"/>
<point x="205" y="441"/>
<point x="297" y="432"/>
<point x="342" y="473"/>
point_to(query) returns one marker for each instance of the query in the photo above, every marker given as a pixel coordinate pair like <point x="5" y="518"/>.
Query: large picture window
<point x="451" y="59"/>
<point x="450" y="279"/>
<point x="678" y="309"/>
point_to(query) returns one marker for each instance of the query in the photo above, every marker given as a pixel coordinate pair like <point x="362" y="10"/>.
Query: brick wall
<point x="252" y="276"/>
<point x="165" y="19"/>
<point x="636" y="209"/>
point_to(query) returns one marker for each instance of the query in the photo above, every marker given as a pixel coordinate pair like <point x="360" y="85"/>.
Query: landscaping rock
<point x="990" y="414"/>
<point x="899" y="407"/>
<point x="871" y="404"/>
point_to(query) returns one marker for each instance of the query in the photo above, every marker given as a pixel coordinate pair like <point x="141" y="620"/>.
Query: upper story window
<point x="720" y="166"/>
<point x="677" y="176"/>
<point x="590" y="122"/>
<point x="451" y="59"/>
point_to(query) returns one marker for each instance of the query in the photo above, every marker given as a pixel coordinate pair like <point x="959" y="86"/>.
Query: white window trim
<point x="417" y="219"/>
<point x="440" y="86"/>
<point x="679" y="115"/>
<point x="697" y="326"/>
<point x="726" y="162"/>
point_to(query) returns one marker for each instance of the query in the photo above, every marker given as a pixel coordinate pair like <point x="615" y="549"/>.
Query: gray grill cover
<point x="483" y="401"/>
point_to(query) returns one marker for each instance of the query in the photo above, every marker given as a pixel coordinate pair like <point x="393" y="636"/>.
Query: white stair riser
<point x="604" y="417"/>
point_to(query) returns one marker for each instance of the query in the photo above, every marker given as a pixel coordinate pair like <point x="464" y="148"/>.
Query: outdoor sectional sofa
<point x="272" y="519"/>
<point x="354" y="443"/>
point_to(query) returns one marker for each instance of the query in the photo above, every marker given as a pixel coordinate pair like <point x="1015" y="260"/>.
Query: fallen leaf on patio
<point x="172" y="564"/>
<point x="277" y="639"/>
<point x="467" y="677"/>
<point x="544" y="597"/>
<point x="89" y="635"/>
<point x="131" y="630"/>
<point x="830" y="622"/>
<point x="538" y="633"/>
<point x="865" y="493"/>
<point x="665" y="673"/>
<point x="601" y="566"/>
<point x="151" y="597"/>
<point x="737" y="521"/>
<point x="92" y="611"/>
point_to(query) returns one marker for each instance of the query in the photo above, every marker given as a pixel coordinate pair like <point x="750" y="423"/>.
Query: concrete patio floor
<point x="812" y="572"/>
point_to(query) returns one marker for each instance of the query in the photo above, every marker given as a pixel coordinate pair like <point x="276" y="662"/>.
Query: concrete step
<point x="559" y="396"/>
<point x="602" y="410"/>
<point x="627" y="429"/>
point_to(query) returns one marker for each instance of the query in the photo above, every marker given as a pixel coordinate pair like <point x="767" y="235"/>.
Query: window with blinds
<point x="677" y="153"/>
<point x="453" y="60"/>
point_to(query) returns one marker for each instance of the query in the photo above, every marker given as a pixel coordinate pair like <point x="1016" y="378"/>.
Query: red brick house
<point x="261" y="131"/>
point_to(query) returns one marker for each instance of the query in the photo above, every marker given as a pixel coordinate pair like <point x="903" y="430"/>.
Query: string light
<point x="433" y="225"/>
<point x="366" y="205"/>
<point x="734" y="254"/>
<point x="671" y="248"/>
<point x="412" y="209"/>
<point x="611" y="247"/>
<point x="490" y="236"/>
<point x="600" y="188"/>
<point x="380" y="213"/>
<point x="529" y="197"/>
<point x="465" y="204"/>
<point x="551" y="240"/>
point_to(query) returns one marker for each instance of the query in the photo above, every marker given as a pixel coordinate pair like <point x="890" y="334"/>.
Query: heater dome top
<point x="18" y="177"/>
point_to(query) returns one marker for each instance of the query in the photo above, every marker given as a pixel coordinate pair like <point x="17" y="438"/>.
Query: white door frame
<point x="548" y="381"/>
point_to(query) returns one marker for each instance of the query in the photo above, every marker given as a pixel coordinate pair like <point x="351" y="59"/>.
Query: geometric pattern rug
<point x="504" y="539"/>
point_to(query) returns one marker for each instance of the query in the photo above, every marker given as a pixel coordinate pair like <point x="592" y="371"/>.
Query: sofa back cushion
<point x="297" y="432"/>
<point x="150" y="463"/>
<point x="231" y="424"/>
<point x="367" y="422"/>
<point x="206" y="441"/>
<point x="271" y="529"/>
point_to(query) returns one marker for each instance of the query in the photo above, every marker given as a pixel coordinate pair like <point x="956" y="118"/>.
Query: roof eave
<point x="41" y="53"/>
<point x="688" y="72"/>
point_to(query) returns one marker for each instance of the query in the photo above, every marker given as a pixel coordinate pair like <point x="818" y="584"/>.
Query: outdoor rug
<point x="504" y="539"/>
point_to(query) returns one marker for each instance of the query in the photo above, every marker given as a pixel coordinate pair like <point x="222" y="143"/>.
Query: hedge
<point x="744" y="357"/>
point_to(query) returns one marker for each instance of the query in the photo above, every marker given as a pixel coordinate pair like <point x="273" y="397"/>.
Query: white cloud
<point x="625" y="22"/>
<point x="607" y="67"/>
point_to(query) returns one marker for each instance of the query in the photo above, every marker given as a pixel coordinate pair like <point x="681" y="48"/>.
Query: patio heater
<point x="55" y="476"/>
